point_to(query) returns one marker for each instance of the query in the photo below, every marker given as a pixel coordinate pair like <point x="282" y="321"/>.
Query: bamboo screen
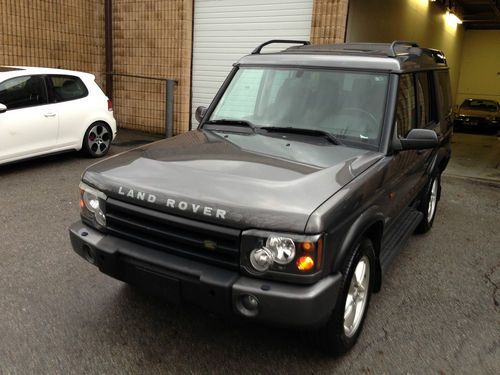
<point x="53" y="33"/>
<point x="152" y="38"/>
<point x="329" y="21"/>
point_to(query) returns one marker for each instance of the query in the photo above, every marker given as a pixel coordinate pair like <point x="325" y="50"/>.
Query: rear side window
<point x="66" y="88"/>
<point x="23" y="92"/>
<point x="426" y="99"/>
<point x="444" y="92"/>
<point x="405" y="111"/>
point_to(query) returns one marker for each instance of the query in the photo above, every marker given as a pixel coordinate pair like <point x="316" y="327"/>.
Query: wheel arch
<point x="370" y="225"/>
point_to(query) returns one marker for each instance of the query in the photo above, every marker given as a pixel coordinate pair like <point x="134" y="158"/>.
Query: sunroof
<point x="8" y="69"/>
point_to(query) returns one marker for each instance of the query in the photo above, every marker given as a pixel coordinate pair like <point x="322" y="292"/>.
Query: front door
<point x="29" y="127"/>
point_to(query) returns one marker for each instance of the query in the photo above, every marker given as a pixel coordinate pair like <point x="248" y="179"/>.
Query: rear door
<point x="30" y="125"/>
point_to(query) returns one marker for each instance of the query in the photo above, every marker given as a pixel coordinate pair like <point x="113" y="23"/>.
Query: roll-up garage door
<point x="225" y="30"/>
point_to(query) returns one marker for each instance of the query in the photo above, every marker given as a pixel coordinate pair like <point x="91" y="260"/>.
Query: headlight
<point x="282" y="249"/>
<point x="280" y="255"/>
<point x="92" y="205"/>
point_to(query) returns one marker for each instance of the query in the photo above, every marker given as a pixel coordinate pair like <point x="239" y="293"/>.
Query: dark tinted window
<point x="66" y="88"/>
<point x="22" y="92"/>
<point x="405" y="112"/>
<point x="444" y="91"/>
<point x="481" y="105"/>
<point x="426" y="99"/>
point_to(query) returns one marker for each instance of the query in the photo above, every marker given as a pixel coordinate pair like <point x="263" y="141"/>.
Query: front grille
<point x="173" y="234"/>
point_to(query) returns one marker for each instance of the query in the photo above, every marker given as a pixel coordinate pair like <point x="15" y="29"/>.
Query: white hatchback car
<point x="44" y="111"/>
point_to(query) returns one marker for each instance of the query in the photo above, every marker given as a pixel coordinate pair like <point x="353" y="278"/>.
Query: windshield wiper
<point x="230" y="122"/>
<point x="304" y="131"/>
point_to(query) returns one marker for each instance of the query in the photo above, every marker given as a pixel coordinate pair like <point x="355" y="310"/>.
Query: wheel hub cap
<point x="99" y="139"/>
<point x="356" y="297"/>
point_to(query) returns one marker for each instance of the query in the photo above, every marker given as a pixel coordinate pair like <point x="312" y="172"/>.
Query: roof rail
<point x="392" y="48"/>
<point x="257" y="50"/>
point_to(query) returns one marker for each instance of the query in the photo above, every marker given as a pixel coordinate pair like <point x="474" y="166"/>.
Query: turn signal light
<point x="305" y="263"/>
<point x="82" y="204"/>
<point x="307" y="246"/>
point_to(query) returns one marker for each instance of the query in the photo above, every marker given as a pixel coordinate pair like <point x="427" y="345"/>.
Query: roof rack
<point x="257" y="50"/>
<point x="392" y="48"/>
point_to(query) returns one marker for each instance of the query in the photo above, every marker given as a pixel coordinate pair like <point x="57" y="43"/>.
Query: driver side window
<point x="405" y="111"/>
<point x="22" y="92"/>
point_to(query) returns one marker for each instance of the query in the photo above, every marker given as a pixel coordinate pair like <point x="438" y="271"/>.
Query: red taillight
<point x="110" y="105"/>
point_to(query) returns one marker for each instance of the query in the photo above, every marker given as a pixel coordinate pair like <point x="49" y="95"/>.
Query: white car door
<point x="30" y="125"/>
<point x="74" y="106"/>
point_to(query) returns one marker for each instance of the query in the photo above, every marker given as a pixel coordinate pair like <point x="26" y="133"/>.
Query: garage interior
<point x="195" y="43"/>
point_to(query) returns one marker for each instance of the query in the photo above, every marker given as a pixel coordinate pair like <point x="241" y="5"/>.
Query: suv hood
<point x="233" y="179"/>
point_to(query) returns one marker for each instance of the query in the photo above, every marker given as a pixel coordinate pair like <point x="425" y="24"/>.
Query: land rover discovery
<point x="306" y="175"/>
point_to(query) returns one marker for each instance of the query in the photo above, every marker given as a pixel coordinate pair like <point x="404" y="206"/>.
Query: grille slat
<point x="173" y="234"/>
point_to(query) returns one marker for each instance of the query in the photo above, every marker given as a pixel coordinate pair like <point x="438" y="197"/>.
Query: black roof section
<point x="8" y="69"/>
<point x="396" y="56"/>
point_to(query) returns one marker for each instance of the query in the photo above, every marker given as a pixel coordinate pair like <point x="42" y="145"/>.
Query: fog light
<point x="250" y="302"/>
<point x="248" y="305"/>
<point x="261" y="259"/>
<point x="89" y="253"/>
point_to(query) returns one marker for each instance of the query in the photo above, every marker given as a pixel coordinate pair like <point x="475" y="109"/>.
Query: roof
<point x="16" y="71"/>
<point x="395" y="57"/>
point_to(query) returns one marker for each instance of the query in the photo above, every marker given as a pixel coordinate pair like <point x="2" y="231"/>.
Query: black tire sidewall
<point x="85" y="145"/>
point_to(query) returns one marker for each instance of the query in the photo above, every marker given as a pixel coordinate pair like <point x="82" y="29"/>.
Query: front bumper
<point x="217" y="290"/>
<point x="476" y="122"/>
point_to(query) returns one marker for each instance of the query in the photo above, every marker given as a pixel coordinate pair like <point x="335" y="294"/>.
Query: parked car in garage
<point x="480" y="114"/>
<point x="306" y="176"/>
<point x="44" y="111"/>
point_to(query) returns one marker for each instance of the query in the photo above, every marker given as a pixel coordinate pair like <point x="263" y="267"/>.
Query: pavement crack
<point x="489" y="276"/>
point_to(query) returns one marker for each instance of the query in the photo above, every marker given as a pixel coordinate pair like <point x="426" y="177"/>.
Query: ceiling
<point x="478" y="14"/>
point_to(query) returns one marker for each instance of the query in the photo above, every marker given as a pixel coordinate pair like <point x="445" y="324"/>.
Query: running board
<point x="398" y="235"/>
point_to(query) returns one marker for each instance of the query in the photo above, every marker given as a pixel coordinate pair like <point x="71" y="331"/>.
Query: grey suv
<point x="306" y="175"/>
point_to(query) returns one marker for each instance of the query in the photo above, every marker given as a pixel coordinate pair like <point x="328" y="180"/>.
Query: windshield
<point x="348" y="105"/>
<point x="482" y="105"/>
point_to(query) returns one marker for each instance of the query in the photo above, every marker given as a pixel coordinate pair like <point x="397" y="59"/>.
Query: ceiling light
<point x="452" y="18"/>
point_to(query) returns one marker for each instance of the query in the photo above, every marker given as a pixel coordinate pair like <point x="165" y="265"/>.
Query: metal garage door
<point x="225" y="30"/>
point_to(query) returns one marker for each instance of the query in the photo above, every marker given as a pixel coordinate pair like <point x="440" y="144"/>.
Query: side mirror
<point x="3" y="108"/>
<point x="200" y="113"/>
<point x="419" y="139"/>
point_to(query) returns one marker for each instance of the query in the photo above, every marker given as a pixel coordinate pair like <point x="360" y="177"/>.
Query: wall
<point x="415" y="20"/>
<point x="329" y="21"/>
<point x="152" y="38"/>
<point x="480" y="73"/>
<point x="53" y="33"/>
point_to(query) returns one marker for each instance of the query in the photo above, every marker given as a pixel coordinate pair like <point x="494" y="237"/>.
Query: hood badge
<point x="173" y="203"/>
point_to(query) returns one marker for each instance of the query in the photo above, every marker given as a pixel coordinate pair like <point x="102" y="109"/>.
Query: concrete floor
<point x="438" y="311"/>
<point x="475" y="156"/>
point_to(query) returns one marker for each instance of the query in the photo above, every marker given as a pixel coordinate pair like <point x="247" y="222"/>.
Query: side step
<point x="400" y="232"/>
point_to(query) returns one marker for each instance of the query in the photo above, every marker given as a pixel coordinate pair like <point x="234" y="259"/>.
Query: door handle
<point x="50" y="114"/>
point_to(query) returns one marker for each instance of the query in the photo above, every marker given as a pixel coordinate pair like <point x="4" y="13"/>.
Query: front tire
<point x="429" y="204"/>
<point x="342" y="330"/>
<point x="97" y="140"/>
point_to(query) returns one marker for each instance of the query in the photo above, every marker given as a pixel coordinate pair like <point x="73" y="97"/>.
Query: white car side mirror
<point x="3" y="108"/>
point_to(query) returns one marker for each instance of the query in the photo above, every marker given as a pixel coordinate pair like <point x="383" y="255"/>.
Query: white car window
<point x="22" y="92"/>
